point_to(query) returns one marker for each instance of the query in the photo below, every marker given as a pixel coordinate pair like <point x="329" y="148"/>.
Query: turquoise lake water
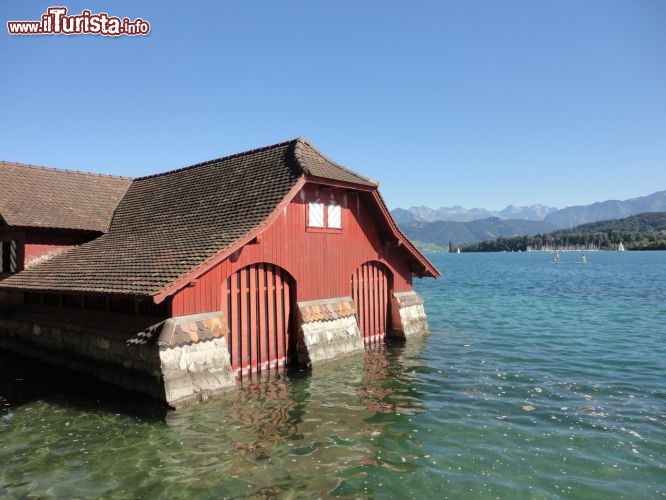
<point x="538" y="380"/>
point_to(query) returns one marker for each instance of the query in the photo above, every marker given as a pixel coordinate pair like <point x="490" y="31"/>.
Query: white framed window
<point x="334" y="215"/>
<point x="316" y="214"/>
<point x="324" y="213"/>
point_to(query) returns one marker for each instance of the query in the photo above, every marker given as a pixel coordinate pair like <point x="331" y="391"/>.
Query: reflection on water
<point x="294" y="433"/>
<point x="297" y="433"/>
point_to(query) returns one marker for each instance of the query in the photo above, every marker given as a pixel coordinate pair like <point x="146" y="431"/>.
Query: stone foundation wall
<point x="194" y="357"/>
<point x="92" y="342"/>
<point x="327" y="329"/>
<point x="179" y="360"/>
<point x="412" y="313"/>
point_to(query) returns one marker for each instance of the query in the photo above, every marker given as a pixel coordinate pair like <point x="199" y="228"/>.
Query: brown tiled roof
<point x="169" y="224"/>
<point x="52" y="198"/>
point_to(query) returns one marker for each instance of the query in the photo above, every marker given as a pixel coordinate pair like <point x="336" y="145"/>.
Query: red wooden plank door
<point x="258" y="303"/>
<point x="370" y="289"/>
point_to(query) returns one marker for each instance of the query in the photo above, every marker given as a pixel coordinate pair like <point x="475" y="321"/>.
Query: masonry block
<point x="327" y="330"/>
<point x="194" y="357"/>
<point x="413" y="318"/>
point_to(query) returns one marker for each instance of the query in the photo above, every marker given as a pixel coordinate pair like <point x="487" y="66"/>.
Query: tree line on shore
<point x="645" y="231"/>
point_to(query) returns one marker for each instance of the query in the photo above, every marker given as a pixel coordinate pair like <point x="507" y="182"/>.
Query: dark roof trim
<point x="58" y="230"/>
<point x="237" y="245"/>
<point x="324" y="181"/>
<point x="67" y="170"/>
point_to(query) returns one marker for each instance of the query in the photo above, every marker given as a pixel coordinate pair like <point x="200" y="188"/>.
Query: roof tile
<point x="41" y="197"/>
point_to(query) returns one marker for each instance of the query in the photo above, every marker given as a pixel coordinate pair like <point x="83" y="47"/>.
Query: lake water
<point x="538" y="380"/>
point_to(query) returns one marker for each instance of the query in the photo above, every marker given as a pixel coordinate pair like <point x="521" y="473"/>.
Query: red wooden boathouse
<point x="211" y="272"/>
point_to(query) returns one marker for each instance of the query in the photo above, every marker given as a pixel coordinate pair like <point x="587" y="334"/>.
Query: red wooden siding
<point x="257" y="301"/>
<point x="320" y="262"/>
<point x="371" y="291"/>
<point x="31" y="244"/>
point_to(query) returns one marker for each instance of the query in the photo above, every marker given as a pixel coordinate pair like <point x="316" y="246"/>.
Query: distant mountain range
<point x="438" y="227"/>
<point x="460" y="214"/>
<point x="437" y="235"/>
<point x="607" y="210"/>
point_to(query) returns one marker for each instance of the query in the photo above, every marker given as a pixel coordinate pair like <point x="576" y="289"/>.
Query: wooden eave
<point x="311" y="179"/>
<point x="424" y="268"/>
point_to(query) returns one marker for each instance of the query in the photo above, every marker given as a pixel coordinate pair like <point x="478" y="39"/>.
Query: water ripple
<point x="537" y="381"/>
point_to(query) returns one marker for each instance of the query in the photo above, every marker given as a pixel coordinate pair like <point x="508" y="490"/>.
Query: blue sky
<point x="472" y="103"/>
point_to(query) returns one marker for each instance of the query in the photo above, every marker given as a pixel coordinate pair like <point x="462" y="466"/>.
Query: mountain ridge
<point x="605" y="210"/>
<point x="561" y="218"/>
<point x="440" y="233"/>
<point x="457" y="213"/>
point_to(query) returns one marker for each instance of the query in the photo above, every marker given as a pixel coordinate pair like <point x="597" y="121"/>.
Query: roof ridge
<point x="297" y="153"/>
<point x="222" y="158"/>
<point x="54" y="169"/>
<point x="300" y="141"/>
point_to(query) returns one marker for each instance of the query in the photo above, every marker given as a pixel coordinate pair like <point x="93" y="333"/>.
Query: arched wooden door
<point x="371" y="286"/>
<point x="259" y="302"/>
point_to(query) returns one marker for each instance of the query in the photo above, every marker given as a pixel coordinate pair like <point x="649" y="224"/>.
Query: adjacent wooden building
<point x="45" y="211"/>
<point x="207" y="274"/>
